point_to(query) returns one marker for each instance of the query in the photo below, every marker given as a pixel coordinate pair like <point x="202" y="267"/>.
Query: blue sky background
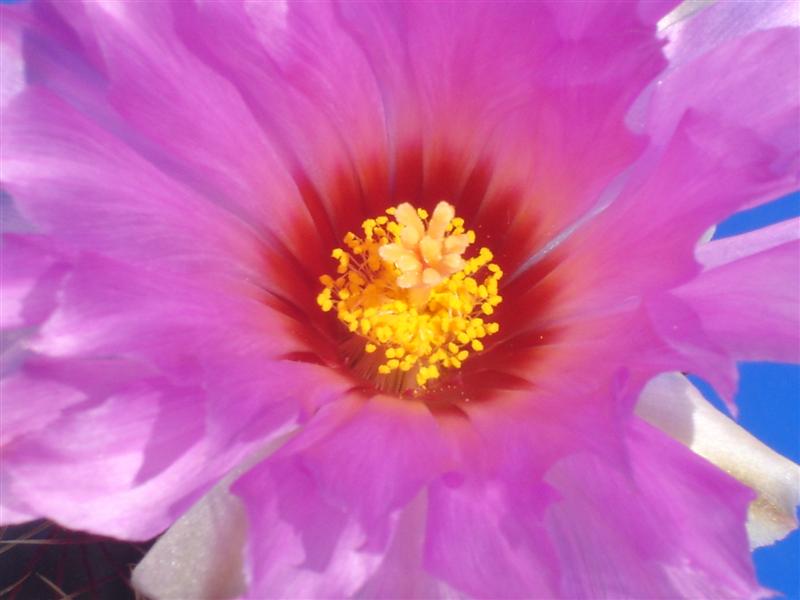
<point x="769" y="405"/>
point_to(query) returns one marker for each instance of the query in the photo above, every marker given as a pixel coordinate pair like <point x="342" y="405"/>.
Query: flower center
<point x="416" y="305"/>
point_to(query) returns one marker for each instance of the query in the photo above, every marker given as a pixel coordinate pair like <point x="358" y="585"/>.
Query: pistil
<point x="406" y="291"/>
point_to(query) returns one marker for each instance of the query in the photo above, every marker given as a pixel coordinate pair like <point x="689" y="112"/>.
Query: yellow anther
<point x="407" y="289"/>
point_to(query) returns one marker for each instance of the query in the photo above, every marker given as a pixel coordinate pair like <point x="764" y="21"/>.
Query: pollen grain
<point x="405" y="289"/>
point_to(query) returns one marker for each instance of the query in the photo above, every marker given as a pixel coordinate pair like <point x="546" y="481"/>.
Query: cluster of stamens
<point x="407" y="291"/>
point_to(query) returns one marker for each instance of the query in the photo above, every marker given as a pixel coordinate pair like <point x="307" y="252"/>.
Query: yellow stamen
<point x="406" y="288"/>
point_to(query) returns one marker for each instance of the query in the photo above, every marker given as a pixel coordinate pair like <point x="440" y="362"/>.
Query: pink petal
<point x="46" y="395"/>
<point x="299" y="71"/>
<point x="12" y="75"/>
<point x="679" y="535"/>
<point x="476" y="542"/>
<point x="713" y="25"/>
<point x="88" y="470"/>
<point x="30" y="277"/>
<point x="512" y="120"/>
<point x="748" y="82"/>
<point x="374" y="459"/>
<point x="202" y="554"/>
<point x="299" y="544"/>
<point x="173" y="363"/>
<point x="729" y="249"/>
<point x="323" y="509"/>
<point x="747" y="297"/>
<point x="708" y="171"/>
<point x="64" y="172"/>
<point x="401" y="573"/>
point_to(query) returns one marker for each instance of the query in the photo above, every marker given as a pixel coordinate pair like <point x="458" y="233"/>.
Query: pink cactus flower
<point x="393" y="299"/>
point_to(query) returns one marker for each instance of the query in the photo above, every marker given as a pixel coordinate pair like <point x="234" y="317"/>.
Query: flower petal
<point x="656" y="522"/>
<point x="64" y="174"/>
<point x="708" y="170"/>
<point x="477" y="542"/>
<point x="712" y="24"/>
<point x="419" y="116"/>
<point x="671" y="403"/>
<point x="133" y="86"/>
<point x="201" y="555"/>
<point x="89" y="468"/>
<point x="298" y="72"/>
<point x="748" y="82"/>
<point x="324" y="510"/>
<point x="299" y="545"/>
<point x="374" y="459"/>
<point x="134" y="356"/>
<point x="747" y="297"/>
<point x="515" y="122"/>
<point x="12" y="75"/>
<point x="401" y="573"/>
<point x="30" y="277"/>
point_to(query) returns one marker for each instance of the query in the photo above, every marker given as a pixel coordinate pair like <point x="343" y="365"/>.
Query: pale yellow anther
<point x="406" y="289"/>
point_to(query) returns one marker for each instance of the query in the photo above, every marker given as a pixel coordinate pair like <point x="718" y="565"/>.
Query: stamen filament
<point x="407" y="292"/>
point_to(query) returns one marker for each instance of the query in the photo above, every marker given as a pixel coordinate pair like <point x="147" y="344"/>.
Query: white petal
<point x="202" y="554"/>
<point x="671" y="403"/>
<point x="683" y="11"/>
